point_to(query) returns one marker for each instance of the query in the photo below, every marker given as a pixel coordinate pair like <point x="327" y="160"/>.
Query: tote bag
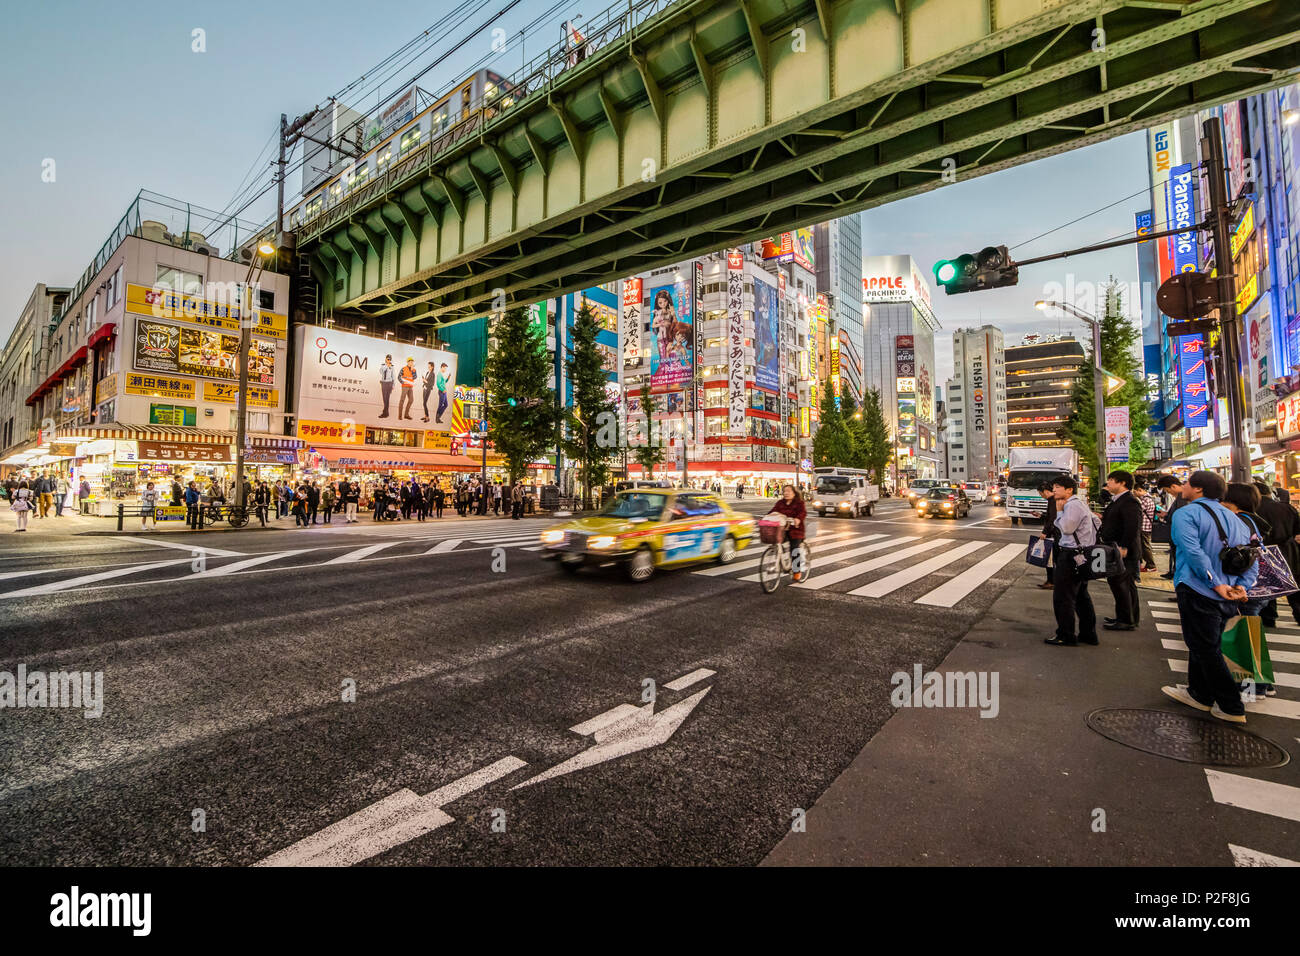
<point x="1275" y="577"/>
<point x="1040" y="551"/>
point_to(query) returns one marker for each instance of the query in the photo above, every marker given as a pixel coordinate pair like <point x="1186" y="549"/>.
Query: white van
<point x="844" y="492"/>
<point x="976" y="490"/>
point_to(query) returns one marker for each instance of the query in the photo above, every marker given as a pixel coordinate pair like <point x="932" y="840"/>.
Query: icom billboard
<point x="344" y="377"/>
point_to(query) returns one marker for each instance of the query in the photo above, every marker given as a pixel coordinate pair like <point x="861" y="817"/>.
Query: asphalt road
<point x="223" y="692"/>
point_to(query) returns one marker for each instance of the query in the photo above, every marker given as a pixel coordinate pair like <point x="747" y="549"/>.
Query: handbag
<point x="1099" y="561"/>
<point x="1275" y="576"/>
<point x="1235" y="559"/>
<point x="1161" y="532"/>
<point x="1040" y="551"/>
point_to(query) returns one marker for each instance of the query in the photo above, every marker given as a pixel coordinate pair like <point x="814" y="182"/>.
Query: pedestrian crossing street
<point x="204" y="563"/>
<point x="1267" y="716"/>
<point x="937" y="571"/>
<point x="960" y="567"/>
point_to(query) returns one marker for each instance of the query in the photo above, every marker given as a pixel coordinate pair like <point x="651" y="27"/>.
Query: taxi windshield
<point x="937" y="493"/>
<point x="634" y="504"/>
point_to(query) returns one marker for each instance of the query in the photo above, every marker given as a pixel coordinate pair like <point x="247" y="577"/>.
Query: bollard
<point x="120" y="509"/>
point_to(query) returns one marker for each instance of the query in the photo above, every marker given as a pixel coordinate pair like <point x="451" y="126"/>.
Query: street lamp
<point x="1099" y="389"/>
<point x="258" y="262"/>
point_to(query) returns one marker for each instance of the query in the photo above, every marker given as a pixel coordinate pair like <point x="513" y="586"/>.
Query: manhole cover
<point x="1202" y="740"/>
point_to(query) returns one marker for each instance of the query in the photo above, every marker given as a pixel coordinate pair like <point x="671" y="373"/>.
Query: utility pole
<point x="1229" y="321"/>
<point x="279" y="178"/>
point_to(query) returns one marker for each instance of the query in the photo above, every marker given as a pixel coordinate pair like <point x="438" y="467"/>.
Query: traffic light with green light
<point x="512" y="402"/>
<point x="992" y="268"/>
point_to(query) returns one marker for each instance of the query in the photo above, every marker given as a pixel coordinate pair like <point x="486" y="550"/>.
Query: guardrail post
<point x="120" y="508"/>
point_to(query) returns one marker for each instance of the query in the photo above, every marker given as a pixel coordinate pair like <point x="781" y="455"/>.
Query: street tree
<point x="878" y="443"/>
<point x="522" y="415"/>
<point x="1120" y="355"/>
<point x="592" y="406"/>
<point x="648" y="449"/>
<point x="833" y="445"/>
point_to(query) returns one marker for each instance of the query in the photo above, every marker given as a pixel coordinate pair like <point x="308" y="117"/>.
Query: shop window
<point x="185" y="415"/>
<point x="113" y="290"/>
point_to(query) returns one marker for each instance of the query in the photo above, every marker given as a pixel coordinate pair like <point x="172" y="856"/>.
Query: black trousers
<point x="1124" y="588"/>
<point x="192" y="515"/>
<point x="1208" y="677"/>
<point x="328" y="511"/>
<point x="1070" y="598"/>
<point x="311" y="513"/>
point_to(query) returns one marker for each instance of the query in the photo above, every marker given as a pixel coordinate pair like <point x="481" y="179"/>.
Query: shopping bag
<point x="1040" y="551"/>
<point x="1246" y="651"/>
<point x="1275" y="577"/>
<point x="1160" y="532"/>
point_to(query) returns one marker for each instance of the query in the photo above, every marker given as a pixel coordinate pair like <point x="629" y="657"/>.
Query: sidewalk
<point x="944" y="786"/>
<point x="72" y="524"/>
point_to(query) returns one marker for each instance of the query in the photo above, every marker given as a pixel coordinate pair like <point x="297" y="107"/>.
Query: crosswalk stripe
<point x="214" y="552"/>
<point x="446" y="545"/>
<point x="348" y="557"/>
<point x="1261" y="796"/>
<point x="818" y="582"/>
<point x="1280" y="678"/>
<point x="1169" y="628"/>
<point x="249" y="563"/>
<point x="956" y="588"/>
<point x="54" y="586"/>
<point x="917" y="571"/>
<point x="1275" y="707"/>
<point x="819" y="542"/>
<point x="1273" y="637"/>
<point x="1162" y="613"/>
<point x="1244" y="856"/>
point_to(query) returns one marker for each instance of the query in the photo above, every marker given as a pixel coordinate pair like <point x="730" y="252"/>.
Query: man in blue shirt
<point x="1208" y="597"/>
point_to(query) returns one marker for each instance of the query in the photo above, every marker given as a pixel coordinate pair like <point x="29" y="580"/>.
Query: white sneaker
<point x="1179" y="693"/>
<point x="1231" y="718"/>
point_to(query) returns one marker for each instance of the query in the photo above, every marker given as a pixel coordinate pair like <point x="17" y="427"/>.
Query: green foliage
<point x="1121" y="356"/>
<point x="648" y="452"/>
<point x="877" y="442"/>
<point x="586" y="370"/>
<point x="518" y="368"/>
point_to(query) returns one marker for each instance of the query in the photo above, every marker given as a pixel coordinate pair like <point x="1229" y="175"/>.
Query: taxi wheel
<point x="570" y="567"/>
<point x="641" y="565"/>
<point x="727" y="553"/>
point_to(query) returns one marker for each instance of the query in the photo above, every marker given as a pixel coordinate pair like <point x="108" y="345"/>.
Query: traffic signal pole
<point x="1229" y="321"/>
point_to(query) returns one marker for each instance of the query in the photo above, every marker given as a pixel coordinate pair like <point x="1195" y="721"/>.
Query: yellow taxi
<point x="648" y="528"/>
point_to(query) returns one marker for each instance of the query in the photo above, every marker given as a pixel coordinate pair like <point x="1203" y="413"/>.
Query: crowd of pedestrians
<point x="1217" y="532"/>
<point x="35" y="496"/>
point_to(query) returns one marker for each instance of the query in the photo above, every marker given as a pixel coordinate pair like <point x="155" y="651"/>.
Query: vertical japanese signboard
<point x="1117" y="433"/>
<point x="699" y="348"/>
<point x="737" y="400"/>
<point x="1193" y="391"/>
<point x="630" y="326"/>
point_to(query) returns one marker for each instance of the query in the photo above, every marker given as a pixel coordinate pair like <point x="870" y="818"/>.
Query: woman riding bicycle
<point x="792" y="506"/>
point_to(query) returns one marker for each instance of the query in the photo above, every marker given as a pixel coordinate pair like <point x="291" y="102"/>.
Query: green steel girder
<point x="373" y="236"/>
<point x="351" y="244"/>
<point x="454" y="196"/>
<point x="756" y="35"/>
<point x="413" y="220"/>
<point x="480" y="182"/>
<point x="1030" y="90"/>
<point x="507" y="166"/>
<point x="394" y="229"/>
<point x="431" y="206"/>
<point x="652" y="90"/>
<point x="577" y="142"/>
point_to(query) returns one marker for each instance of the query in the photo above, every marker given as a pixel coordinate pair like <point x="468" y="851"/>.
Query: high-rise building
<point x="1040" y="374"/>
<point x="980" y="382"/>
<point x="898" y="356"/>
<point x="838" y="246"/>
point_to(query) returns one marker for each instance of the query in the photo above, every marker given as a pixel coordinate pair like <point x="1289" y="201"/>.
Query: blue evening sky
<point x="115" y="94"/>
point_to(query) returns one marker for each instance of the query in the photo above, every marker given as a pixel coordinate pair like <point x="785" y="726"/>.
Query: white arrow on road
<point x="634" y="730"/>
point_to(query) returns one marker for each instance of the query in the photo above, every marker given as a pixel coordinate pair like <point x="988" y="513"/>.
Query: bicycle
<point x="776" y="561"/>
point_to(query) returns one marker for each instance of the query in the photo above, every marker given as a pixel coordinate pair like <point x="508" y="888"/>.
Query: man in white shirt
<point x="1070" y="596"/>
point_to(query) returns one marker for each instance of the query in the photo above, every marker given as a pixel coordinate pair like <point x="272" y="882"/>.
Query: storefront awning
<point x="105" y="331"/>
<point x="76" y="359"/>
<point x="174" y="433"/>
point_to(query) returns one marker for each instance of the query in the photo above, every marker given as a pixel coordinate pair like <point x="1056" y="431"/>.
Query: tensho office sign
<point x="344" y="377"/>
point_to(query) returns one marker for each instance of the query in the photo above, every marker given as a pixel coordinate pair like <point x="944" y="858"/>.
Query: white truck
<point x="1030" y="468"/>
<point x="844" y="492"/>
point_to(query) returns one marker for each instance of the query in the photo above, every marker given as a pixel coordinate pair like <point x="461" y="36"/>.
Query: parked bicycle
<point x="776" y="561"/>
